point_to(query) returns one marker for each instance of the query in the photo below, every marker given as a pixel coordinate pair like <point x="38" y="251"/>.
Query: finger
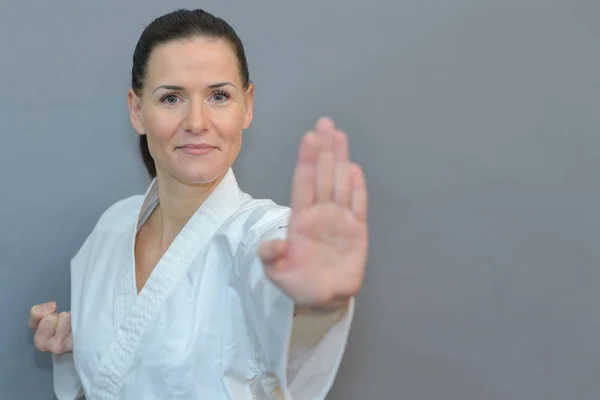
<point x="325" y="123"/>
<point x="45" y="331"/>
<point x="359" y="192"/>
<point x="57" y="343"/>
<point x="326" y="163"/>
<point x="69" y="344"/>
<point x="343" y="179"/>
<point x="303" y="183"/>
<point x="38" y="312"/>
<point x="272" y="254"/>
<point x="272" y="249"/>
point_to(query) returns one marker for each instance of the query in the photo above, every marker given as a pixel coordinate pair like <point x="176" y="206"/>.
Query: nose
<point x="196" y="119"/>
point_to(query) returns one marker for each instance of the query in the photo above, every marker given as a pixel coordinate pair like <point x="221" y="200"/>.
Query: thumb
<point x="39" y="311"/>
<point x="271" y="251"/>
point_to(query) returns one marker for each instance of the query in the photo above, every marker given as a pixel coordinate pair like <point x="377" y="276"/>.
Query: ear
<point x="135" y="111"/>
<point x="249" y="103"/>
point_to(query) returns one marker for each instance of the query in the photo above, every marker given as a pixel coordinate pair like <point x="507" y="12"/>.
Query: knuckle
<point x="51" y="319"/>
<point x="34" y="314"/>
<point x="43" y="321"/>
<point x="40" y="344"/>
<point x="58" y="347"/>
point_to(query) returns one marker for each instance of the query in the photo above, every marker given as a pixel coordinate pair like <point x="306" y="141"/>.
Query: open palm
<point x="321" y="263"/>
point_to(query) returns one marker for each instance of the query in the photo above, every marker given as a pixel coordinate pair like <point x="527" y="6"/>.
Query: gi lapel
<point x="118" y="360"/>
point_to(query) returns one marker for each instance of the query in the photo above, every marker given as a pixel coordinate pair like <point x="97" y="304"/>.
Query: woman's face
<point x="193" y="109"/>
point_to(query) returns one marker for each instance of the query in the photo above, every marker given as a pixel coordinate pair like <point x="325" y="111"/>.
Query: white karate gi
<point x="208" y="324"/>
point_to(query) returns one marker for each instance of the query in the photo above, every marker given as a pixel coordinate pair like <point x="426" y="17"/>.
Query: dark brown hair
<point x="178" y="25"/>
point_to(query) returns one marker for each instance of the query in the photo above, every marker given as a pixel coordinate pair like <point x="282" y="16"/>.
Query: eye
<point x="220" y="96"/>
<point x="169" y="99"/>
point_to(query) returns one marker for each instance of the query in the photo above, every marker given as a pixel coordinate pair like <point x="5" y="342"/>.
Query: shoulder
<point x="261" y="214"/>
<point x="117" y="218"/>
<point x="257" y="220"/>
<point x="120" y="213"/>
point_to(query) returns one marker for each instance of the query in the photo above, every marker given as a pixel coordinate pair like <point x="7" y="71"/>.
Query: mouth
<point x="196" y="149"/>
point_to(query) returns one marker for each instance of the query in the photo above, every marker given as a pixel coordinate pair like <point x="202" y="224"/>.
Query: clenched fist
<point x="52" y="330"/>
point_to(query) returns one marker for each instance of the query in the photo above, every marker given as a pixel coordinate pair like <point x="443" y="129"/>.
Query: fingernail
<point x="49" y="306"/>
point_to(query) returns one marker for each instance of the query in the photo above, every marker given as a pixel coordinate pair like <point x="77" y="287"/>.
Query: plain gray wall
<point x="477" y="123"/>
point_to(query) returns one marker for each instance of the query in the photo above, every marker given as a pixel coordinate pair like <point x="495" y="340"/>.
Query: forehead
<point x="197" y="60"/>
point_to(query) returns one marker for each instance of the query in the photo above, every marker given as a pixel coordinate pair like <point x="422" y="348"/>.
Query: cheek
<point x="230" y="126"/>
<point x="161" y="126"/>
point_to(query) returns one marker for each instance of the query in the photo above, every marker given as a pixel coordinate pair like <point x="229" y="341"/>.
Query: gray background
<point x="476" y="123"/>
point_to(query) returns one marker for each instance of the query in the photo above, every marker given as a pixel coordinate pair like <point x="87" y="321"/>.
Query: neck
<point x="177" y="204"/>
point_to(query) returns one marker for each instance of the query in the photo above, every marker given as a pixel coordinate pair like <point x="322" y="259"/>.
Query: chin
<point x="197" y="176"/>
<point x="195" y="171"/>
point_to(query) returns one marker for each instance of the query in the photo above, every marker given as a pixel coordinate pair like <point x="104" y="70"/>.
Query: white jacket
<point x="208" y="324"/>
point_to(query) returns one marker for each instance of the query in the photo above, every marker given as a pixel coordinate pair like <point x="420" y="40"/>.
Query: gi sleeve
<point x="305" y="355"/>
<point x="66" y="382"/>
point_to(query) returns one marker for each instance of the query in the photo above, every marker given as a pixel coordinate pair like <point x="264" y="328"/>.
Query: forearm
<point x="335" y="308"/>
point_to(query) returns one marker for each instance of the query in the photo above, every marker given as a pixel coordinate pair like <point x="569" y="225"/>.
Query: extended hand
<point x="52" y="330"/>
<point x="322" y="261"/>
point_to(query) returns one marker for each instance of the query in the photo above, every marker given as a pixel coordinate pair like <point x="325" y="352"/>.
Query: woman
<point x="195" y="289"/>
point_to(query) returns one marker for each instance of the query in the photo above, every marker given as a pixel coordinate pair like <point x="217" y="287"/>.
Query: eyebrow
<point x="221" y="84"/>
<point x="174" y="87"/>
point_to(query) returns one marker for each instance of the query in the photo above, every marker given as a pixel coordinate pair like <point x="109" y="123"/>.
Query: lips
<point x="196" y="149"/>
<point x="197" y="146"/>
